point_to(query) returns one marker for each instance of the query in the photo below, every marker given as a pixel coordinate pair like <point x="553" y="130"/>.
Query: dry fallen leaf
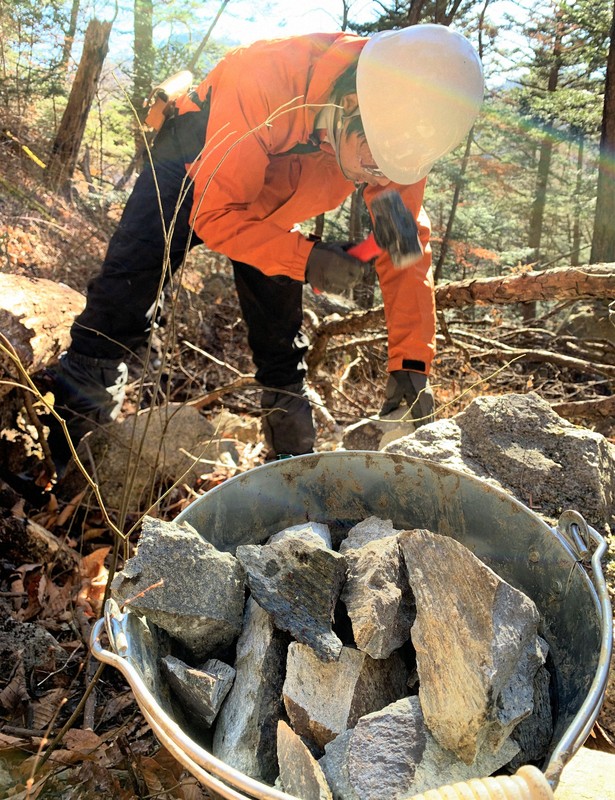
<point x="15" y="693"/>
<point x="94" y="578"/>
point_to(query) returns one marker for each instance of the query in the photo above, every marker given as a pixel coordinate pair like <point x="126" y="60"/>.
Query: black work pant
<point x="121" y="298"/>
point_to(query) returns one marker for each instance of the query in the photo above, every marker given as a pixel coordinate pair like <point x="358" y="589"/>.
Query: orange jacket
<point x="250" y="192"/>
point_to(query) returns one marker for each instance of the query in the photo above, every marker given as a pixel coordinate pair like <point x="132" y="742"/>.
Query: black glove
<point x="414" y="388"/>
<point x="330" y="269"/>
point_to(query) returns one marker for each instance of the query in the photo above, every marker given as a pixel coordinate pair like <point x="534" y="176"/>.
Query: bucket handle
<point x="581" y="537"/>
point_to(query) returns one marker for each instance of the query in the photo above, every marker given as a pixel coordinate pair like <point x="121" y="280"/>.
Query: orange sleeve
<point x="408" y="294"/>
<point x="230" y="175"/>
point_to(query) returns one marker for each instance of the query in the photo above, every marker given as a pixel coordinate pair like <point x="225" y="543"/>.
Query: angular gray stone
<point x="518" y="442"/>
<point x="362" y="435"/>
<point x="314" y="532"/>
<point x="300" y="774"/>
<point x="184" y="585"/>
<point x="368" y="530"/>
<point x="334" y="765"/>
<point x="391" y="753"/>
<point x="471" y="631"/>
<point x="298" y="582"/>
<point x="156" y="446"/>
<point x="374" y="434"/>
<point x="534" y="733"/>
<point x="377" y="597"/>
<point x="31" y="644"/>
<point x="325" y="699"/>
<point x="200" y="690"/>
<point x="246" y="728"/>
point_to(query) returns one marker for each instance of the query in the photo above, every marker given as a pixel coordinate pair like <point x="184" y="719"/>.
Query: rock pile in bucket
<point x="385" y="663"/>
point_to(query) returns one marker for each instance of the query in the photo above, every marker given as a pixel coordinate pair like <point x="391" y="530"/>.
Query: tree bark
<point x="65" y="148"/>
<point x="565" y="283"/>
<point x="143" y="63"/>
<point x="539" y="203"/>
<point x="69" y="36"/>
<point x="459" y="181"/>
<point x="603" y="242"/>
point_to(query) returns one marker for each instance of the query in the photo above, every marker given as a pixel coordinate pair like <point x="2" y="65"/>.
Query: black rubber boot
<point x="288" y="425"/>
<point x="88" y="392"/>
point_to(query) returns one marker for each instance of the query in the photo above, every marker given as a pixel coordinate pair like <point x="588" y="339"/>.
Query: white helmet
<point x="419" y="90"/>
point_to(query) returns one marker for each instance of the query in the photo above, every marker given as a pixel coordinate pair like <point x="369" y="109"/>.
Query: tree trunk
<point x="603" y="242"/>
<point x="65" y="148"/>
<point x="451" y="217"/>
<point x="69" y="36"/>
<point x="565" y="283"/>
<point x="143" y="63"/>
<point x="577" y="203"/>
<point x="537" y="214"/>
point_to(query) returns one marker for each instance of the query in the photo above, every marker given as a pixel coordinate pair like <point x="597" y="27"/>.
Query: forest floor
<point x="68" y="730"/>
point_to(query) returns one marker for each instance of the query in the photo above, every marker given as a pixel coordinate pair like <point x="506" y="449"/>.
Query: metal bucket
<point x="551" y="565"/>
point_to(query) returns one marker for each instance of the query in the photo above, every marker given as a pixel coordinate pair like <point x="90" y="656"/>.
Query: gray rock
<point x="134" y="457"/>
<point x="391" y="753"/>
<point x="534" y="733"/>
<point x="334" y="765"/>
<point x="200" y="690"/>
<point x="519" y="443"/>
<point x="298" y="582"/>
<point x="300" y="774"/>
<point x="31" y="644"/>
<point x="368" y="530"/>
<point x="362" y="435"/>
<point x="378" y="597"/>
<point x="314" y="532"/>
<point x="374" y="434"/>
<point x="184" y="585"/>
<point x="323" y="700"/>
<point x="469" y="644"/>
<point x="246" y="728"/>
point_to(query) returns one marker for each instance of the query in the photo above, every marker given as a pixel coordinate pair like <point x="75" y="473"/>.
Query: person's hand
<point x="330" y="269"/>
<point x="414" y="389"/>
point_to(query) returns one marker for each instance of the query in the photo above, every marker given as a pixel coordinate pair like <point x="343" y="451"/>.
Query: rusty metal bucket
<point x="559" y="568"/>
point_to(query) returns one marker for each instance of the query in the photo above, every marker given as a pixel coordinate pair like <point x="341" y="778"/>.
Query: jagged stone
<point x="155" y="447"/>
<point x="200" y="690"/>
<point x="334" y="765"/>
<point x="534" y="733"/>
<point x="298" y="582"/>
<point x="368" y="530"/>
<point x="391" y="753"/>
<point x="325" y="699"/>
<point x="300" y="774"/>
<point x="31" y="644"/>
<point x="246" y="727"/>
<point x="374" y="434"/>
<point x="469" y="643"/>
<point x="314" y="532"/>
<point x="377" y="596"/>
<point x="184" y="585"/>
<point x="518" y="442"/>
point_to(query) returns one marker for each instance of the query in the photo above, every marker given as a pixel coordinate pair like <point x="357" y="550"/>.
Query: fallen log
<point x="601" y="409"/>
<point x="565" y="283"/>
<point x="35" y="317"/>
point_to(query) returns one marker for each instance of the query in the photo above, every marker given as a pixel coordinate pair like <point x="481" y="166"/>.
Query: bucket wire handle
<point x="581" y="537"/>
